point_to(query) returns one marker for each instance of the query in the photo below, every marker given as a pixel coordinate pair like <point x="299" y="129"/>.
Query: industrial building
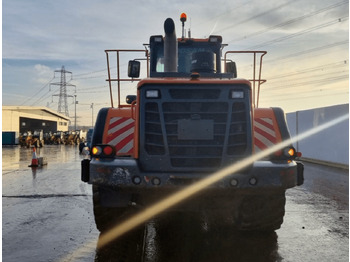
<point x="20" y="119"/>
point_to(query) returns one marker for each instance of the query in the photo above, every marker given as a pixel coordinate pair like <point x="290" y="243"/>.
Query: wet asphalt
<point x="47" y="216"/>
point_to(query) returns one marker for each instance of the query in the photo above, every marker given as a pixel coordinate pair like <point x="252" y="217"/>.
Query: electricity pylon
<point x="62" y="103"/>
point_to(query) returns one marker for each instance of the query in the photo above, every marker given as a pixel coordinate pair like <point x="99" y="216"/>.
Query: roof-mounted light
<point x="215" y="39"/>
<point x="158" y="39"/>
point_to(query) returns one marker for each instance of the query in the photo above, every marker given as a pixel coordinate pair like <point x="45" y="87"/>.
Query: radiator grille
<point x="170" y="125"/>
<point x="237" y="142"/>
<point x="154" y="142"/>
<point x="192" y="153"/>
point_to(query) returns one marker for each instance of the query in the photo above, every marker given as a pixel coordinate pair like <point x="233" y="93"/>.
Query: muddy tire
<point x="262" y="212"/>
<point x="105" y="217"/>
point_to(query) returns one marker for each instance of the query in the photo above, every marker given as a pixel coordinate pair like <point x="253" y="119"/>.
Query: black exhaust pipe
<point x="170" y="46"/>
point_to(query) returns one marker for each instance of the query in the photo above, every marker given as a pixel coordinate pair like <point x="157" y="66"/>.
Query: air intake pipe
<point x="170" y="46"/>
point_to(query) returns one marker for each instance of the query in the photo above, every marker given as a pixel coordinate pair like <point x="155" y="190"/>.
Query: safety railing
<point x="118" y="77"/>
<point x="257" y="69"/>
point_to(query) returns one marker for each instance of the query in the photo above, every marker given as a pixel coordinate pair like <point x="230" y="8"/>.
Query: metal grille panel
<point x="200" y="132"/>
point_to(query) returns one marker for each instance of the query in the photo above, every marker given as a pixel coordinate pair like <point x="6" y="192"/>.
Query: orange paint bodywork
<point x="124" y="112"/>
<point x="268" y="113"/>
<point x="132" y="111"/>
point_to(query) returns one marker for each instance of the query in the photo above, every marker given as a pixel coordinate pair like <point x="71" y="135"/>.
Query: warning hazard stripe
<point x="121" y="134"/>
<point x="267" y="122"/>
<point x="264" y="134"/>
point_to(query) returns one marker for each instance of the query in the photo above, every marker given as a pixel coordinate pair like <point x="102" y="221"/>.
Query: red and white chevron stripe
<point x="264" y="134"/>
<point x="121" y="134"/>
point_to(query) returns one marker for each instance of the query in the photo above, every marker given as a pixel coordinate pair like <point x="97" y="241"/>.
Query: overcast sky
<point x="307" y="44"/>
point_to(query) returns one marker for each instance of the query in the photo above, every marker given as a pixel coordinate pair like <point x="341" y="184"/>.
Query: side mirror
<point x="231" y="68"/>
<point x="130" y="99"/>
<point x="134" y="69"/>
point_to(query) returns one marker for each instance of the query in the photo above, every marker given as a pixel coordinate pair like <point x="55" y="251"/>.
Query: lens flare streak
<point x="195" y="188"/>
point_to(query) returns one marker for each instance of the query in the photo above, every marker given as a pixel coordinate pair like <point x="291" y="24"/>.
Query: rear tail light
<point x="103" y="151"/>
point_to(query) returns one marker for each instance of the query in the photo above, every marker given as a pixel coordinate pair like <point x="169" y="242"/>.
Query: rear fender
<point x="270" y="128"/>
<point x="116" y="127"/>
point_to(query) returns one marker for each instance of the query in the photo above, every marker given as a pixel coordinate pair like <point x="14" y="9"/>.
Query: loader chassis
<point x="190" y="118"/>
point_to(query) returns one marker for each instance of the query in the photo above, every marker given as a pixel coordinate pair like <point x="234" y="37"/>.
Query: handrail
<point x="133" y="109"/>
<point x="259" y="81"/>
<point x="256" y="80"/>
<point x="119" y="79"/>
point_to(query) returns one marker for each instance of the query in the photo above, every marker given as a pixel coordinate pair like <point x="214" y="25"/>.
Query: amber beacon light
<point x="183" y="17"/>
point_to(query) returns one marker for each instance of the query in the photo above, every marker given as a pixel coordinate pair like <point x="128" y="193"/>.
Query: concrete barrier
<point x="329" y="146"/>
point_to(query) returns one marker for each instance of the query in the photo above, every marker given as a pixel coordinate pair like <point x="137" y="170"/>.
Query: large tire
<point x="105" y="217"/>
<point x="261" y="212"/>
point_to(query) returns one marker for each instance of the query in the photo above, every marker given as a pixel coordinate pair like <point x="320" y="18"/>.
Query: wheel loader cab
<point x="193" y="55"/>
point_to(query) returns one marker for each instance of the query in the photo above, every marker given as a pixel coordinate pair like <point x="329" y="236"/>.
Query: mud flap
<point x="300" y="175"/>
<point x="85" y="170"/>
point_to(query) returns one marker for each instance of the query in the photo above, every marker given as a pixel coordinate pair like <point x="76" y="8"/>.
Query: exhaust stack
<point x="170" y="46"/>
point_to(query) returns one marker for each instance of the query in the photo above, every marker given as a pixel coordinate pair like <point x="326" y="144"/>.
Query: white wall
<point x="330" y="145"/>
<point x="12" y="114"/>
<point x="10" y="121"/>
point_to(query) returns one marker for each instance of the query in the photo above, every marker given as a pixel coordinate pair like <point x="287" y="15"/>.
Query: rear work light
<point x="152" y="94"/>
<point x="103" y="151"/>
<point x="288" y="153"/>
<point x="237" y="94"/>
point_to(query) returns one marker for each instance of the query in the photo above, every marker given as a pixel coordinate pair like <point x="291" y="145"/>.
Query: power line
<point x="41" y="89"/>
<point x="79" y="76"/>
<point x="311" y="73"/>
<point x="314" y="92"/>
<point x="91" y="88"/>
<point x="311" y="69"/>
<point x="44" y="96"/>
<point x="288" y="22"/>
<point x="90" y="92"/>
<point x="290" y="98"/>
<point x="308" y="30"/>
<point x="90" y="73"/>
<point x="320" y="81"/>
<point x="89" y="77"/>
<point x="293" y="55"/>
<point x="316" y="83"/>
<point x="256" y="16"/>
